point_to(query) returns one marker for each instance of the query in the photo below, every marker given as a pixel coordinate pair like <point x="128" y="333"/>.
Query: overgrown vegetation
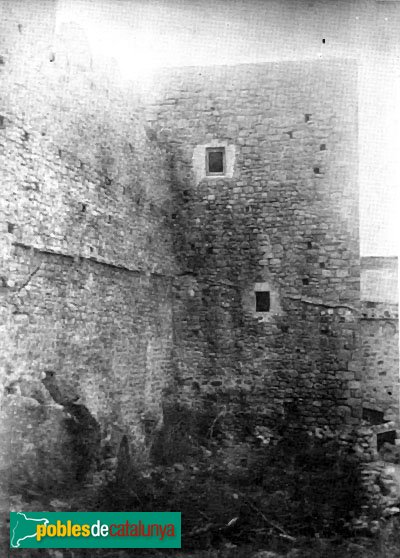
<point x="240" y="487"/>
<point x="246" y="487"/>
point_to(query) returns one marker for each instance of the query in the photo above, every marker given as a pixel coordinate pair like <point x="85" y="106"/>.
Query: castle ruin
<point x="199" y="236"/>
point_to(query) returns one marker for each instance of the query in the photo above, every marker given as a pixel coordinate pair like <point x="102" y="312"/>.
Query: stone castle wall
<point x="283" y="219"/>
<point x="125" y="268"/>
<point x="379" y="325"/>
<point x="87" y="255"/>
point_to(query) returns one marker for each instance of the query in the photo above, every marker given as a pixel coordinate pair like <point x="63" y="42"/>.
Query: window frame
<point x="216" y="149"/>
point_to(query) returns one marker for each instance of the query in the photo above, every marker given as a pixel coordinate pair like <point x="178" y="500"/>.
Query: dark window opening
<point x="1" y="121"/>
<point x="316" y="170"/>
<point x="307" y="117"/>
<point x="388" y="437"/>
<point x="322" y="147"/>
<point x="263" y="301"/>
<point x="322" y="265"/>
<point x="309" y="245"/>
<point x="290" y="134"/>
<point x="10" y="227"/>
<point x="305" y="281"/>
<point x="373" y="416"/>
<point x="215" y="160"/>
<point x="323" y="41"/>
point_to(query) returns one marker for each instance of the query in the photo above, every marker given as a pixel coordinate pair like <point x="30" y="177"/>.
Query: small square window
<point x="262" y="301"/>
<point x="215" y="160"/>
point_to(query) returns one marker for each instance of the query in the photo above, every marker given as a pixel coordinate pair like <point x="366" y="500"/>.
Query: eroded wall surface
<point x="379" y="325"/>
<point x="125" y="267"/>
<point x="87" y="255"/>
<point x="282" y="219"/>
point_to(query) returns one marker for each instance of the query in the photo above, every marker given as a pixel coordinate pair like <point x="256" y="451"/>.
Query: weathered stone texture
<point x="379" y="326"/>
<point x="124" y="266"/>
<point x="287" y="216"/>
<point x="86" y="250"/>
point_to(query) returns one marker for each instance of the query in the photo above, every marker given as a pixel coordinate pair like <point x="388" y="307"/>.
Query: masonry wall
<point x="379" y="325"/>
<point x="87" y="255"/>
<point x="283" y="219"/>
<point x="380" y="358"/>
<point x="124" y="265"/>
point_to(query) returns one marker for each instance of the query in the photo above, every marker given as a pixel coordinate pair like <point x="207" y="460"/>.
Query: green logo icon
<point x="95" y="530"/>
<point x="24" y="528"/>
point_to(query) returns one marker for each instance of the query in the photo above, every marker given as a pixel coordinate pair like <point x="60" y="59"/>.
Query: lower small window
<point x="262" y="301"/>
<point x="387" y="437"/>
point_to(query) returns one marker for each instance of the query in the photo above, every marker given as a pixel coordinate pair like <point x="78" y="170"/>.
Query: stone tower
<point x="264" y="182"/>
